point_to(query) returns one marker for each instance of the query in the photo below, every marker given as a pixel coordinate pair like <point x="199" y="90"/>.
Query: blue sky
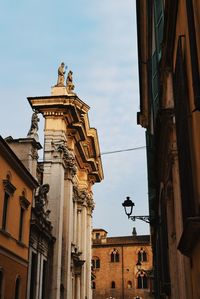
<point x="97" y="40"/>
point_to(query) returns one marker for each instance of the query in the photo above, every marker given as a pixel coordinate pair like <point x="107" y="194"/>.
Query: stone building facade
<point x="56" y="250"/>
<point x="115" y="270"/>
<point x="71" y="166"/>
<point x="169" y="71"/>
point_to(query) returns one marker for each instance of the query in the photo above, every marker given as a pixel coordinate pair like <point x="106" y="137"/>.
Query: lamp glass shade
<point x="128" y="206"/>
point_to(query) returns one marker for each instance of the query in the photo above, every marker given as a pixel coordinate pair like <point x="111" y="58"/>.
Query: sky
<point x="98" y="41"/>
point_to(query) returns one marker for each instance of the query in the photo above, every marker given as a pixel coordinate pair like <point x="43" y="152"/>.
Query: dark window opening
<point x="1" y="284"/>
<point x="142" y="255"/>
<point x="112" y="285"/>
<point x="17" y="288"/>
<point x="5" y="210"/>
<point x="97" y="235"/>
<point x="21" y="222"/>
<point x="96" y="263"/>
<point x="33" y="275"/>
<point x="142" y="281"/>
<point x="44" y="278"/>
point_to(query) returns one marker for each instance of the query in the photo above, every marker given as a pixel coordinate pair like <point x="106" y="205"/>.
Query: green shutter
<point x="159" y="25"/>
<point x="155" y="84"/>
<point x="151" y="171"/>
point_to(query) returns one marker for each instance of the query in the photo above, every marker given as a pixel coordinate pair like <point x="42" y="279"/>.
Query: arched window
<point x="142" y="255"/>
<point x="114" y="256"/>
<point x="142" y="281"/>
<point x="93" y="285"/>
<point x="17" y="288"/>
<point x="96" y="262"/>
<point x="112" y="285"/>
<point x="129" y="285"/>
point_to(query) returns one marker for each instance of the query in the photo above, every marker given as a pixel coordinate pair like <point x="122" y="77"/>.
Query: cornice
<point x="144" y="40"/>
<point x="58" y="101"/>
<point x="74" y="111"/>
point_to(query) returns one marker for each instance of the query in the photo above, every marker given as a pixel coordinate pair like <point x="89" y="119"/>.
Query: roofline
<point x="17" y="165"/>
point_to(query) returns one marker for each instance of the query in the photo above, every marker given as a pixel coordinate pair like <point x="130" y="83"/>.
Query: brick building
<point x="114" y="266"/>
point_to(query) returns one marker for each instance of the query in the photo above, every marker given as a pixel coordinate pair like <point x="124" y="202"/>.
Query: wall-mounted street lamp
<point x="128" y="207"/>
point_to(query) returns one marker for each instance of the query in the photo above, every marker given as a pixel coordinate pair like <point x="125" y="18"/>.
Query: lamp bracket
<point x="143" y="218"/>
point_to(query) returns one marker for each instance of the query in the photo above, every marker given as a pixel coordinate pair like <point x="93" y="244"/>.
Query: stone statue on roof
<point x="61" y="75"/>
<point x="69" y="83"/>
<point x="34" y="126"/>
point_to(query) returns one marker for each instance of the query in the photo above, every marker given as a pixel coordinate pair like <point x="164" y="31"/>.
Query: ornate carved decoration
<point x="24" y="202"/>
<point x="9" y="187"/>
<point x="90" y="203"/>
<point x="77" y="263"/>
<point x="40" y="213"/>
<point x="40" y="170"/>
<point x="67" y="157"/>
<point x="41" y="201"/>
<point x="34" y="153"/>
<point x="75" y="193"/>
<point x="83" y="198"/>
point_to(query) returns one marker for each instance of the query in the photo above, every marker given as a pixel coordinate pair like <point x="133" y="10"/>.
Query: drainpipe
<point x="122" y="272"/>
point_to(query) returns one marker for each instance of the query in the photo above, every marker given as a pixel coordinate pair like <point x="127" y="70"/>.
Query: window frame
<point x="9" y="190"/>
<point x="114" y="256"/>
<point x="96" y="263"/>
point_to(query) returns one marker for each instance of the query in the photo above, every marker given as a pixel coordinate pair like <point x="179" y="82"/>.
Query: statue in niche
<point x="61" y="75"/>
<point x="69" y="83"/>
<point x="34" y="125"/>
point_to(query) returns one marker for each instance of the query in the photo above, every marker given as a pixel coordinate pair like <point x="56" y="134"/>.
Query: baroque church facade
<point x="61" y="218"/>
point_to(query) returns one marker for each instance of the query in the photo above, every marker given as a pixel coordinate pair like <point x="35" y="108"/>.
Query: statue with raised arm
<point x="69" y="83"/>
<point x="61" y="75"/>
<point x="34" y="125"/>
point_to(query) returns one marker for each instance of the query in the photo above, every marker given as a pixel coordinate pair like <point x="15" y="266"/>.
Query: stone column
<point x="84" y="248"/>
<point x="74" y="222"/>
<point x="54" y="169"/>
<point x="78" y="236"/>
<point x="68" y="226"/>
<point x="90" y="207"/>
<point x="78" y="287"/>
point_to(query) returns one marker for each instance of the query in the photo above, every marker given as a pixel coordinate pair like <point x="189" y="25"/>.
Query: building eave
<point x="16" y="164"/>
<point x="143" y="40"/>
